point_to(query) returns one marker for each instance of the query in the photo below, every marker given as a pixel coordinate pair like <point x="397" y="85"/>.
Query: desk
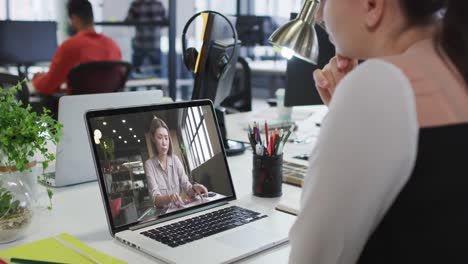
<point x="274" y="70"/>
<point x="164" y="82"/>
<point x="306" y="118"/>
<point x="78" y="210"/>
<point x="268" y="67"/>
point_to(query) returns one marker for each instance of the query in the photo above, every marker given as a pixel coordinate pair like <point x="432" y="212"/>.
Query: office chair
<point x="240" y="99"/>
<point x="99" y="77"/>
<point x="9" y="80"/>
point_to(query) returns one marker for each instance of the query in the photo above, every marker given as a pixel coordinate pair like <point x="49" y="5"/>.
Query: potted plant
<point x="107" y="147"/>
<point x="23" y="134"/>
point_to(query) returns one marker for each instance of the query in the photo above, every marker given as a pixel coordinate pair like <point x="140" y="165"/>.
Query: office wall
<point x="61" y="17"/>
<point x="116" y="10"/>
<point x="3" y="11"/>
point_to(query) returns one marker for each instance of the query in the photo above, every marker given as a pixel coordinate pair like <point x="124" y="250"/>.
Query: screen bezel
<point x="141" y="109"/>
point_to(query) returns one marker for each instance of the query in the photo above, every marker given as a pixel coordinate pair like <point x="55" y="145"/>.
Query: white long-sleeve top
<point x="363" y="157"/>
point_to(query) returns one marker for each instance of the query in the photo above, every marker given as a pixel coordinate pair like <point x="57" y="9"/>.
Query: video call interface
<point x="159" y="162"/>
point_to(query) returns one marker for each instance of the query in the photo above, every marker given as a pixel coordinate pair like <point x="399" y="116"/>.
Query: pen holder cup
<point x="267" y="175"/>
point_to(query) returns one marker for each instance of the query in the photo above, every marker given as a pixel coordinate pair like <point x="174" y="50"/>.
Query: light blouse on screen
<point x="161" y="182"/>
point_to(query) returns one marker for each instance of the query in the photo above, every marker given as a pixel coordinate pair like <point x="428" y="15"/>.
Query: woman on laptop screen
<point x="165" y="172"/>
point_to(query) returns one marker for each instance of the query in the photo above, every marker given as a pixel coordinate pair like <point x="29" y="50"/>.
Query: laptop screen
<point x="155" y="161"/>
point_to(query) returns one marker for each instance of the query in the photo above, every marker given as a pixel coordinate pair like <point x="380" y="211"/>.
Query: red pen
<point x="266" y="133"/>
<point x="269" y="145"/>
<point x="273" y="142"/>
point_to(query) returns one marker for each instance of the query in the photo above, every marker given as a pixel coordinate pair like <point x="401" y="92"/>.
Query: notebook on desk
<point x="290" y="202"/>
<point x="63" y="248"/>
<point x="216" y="229"/>
<point x="74" y="163"/>
<point x="293" y="174"/>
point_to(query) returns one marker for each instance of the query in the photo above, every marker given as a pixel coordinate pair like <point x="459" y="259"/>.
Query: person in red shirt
<point x="87" y="45"/>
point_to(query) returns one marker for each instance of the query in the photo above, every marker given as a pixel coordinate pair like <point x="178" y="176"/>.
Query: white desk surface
<point x="157" y="81"/>
<point x="79" y="211"/>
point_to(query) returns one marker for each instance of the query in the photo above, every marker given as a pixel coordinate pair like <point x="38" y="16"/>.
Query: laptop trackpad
<point x="247" y="238"/>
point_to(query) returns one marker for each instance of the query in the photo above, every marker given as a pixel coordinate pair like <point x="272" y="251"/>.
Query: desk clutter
<point x="267" y="168"/>
<point x="273" y="144"/>
<point x="293" y="173"/>
<point x="63" y="248"/>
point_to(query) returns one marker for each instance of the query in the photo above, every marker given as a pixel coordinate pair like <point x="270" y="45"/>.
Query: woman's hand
<point x="176" y="200"/>
<point x="328" y="78"/>
<point x="199" y="189"/>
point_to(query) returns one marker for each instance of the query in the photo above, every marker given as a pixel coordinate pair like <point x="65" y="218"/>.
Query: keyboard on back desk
<point x="205" y="225"/>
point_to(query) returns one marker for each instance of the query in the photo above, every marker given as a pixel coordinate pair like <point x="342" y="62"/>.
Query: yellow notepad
<point x="50" y="249"/>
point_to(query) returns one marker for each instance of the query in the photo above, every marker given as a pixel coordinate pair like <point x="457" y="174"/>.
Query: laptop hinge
<point x="165" y="219"/>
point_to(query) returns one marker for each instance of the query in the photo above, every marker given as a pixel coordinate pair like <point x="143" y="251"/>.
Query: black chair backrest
<point x="9" y="80"/>
<point x="240" y="99"/>
<point x="99" y="77"/>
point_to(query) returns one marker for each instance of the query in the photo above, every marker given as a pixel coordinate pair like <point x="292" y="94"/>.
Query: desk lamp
<point x="298" y="37"/>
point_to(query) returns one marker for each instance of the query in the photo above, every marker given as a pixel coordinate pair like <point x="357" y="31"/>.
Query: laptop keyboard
<point x="205" y="225"/>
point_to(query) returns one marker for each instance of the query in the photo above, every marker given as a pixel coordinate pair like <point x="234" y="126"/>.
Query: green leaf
<point x="23" y="133"/>
<point x="15" y="205"/>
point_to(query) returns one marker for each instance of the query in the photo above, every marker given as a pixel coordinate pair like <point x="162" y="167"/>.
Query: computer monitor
<point x="213" y="74"/>
<point x="207" y="83"/>
<point x="254" y="30"/>
<point x="213" y="80"/>
<point x="300" y="84"/>
<point x="27" y="42"/>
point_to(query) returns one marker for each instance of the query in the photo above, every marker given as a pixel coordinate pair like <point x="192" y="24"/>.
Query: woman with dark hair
<point x="387" y="181"/>
<point x="164" y="171"/>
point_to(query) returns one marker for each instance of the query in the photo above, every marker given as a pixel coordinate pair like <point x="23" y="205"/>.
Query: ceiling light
<point x="97" y="136"/>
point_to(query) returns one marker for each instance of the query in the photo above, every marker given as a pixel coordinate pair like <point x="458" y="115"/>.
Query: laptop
<point x="74" y="163"/>
<point x="217" y="228"/>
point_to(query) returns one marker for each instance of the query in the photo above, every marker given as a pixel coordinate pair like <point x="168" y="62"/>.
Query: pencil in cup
<point x="272" y="145"/>
<point x="267" y="173"/>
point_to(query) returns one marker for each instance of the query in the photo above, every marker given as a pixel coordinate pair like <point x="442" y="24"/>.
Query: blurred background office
<point x="159" y="65"/>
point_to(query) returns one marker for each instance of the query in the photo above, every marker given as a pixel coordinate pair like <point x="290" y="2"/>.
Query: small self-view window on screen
<point x="159" y="162"/>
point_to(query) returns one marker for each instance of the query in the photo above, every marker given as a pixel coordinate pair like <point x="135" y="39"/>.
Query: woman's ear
<point x="373" y="11"/>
